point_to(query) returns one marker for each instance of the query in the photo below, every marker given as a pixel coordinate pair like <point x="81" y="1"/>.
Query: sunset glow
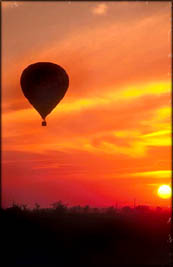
<point x="109" y="139"/>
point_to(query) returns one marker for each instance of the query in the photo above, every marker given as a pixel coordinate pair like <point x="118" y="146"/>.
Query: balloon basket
<point x="44" y="123"/>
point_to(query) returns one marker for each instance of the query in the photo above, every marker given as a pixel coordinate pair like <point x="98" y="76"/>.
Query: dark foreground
<point x="68" y="237"/>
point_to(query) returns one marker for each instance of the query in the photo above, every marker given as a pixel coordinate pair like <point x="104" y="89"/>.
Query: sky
<point x="108" y="142"/>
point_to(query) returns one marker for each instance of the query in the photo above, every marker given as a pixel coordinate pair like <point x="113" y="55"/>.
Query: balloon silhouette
<point x="44" y="84"/>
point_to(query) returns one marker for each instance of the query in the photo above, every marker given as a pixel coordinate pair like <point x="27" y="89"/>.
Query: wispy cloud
<point x="10" y="4"/>
<point x="100" y="9"/>
<point x="154" y="174"/>
<point x="159" y="133"/>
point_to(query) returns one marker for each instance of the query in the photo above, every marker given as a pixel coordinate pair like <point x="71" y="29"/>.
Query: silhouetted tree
<point x="37" y="206"/>
<point x="59" y="207"/>
<point x="142" y="208"/>
<point x="126" y="209"/>
<point x="15" y="208"/>
<point x="76" y="209"/>
<point x="110" y="210"/>
<point x="95" y="210"/>
<point x="24" y="206"/>
<point x="86" y="209"/>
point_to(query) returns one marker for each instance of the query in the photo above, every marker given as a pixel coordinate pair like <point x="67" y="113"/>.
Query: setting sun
<point x="164" y="191"/>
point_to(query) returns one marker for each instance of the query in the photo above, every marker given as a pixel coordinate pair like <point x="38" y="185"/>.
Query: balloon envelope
<point x="44" y="84"/>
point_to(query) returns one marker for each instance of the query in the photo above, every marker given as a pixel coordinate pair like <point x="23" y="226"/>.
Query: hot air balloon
<point x="44" y="84"/>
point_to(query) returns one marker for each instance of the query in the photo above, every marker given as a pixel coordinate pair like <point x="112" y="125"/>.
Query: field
<point x="82" y="236"/>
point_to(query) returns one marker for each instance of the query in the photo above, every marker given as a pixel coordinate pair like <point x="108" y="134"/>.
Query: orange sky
<point x="109" y="139"/>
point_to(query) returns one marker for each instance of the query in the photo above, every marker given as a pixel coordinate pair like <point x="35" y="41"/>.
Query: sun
<point x="164" y="191"/>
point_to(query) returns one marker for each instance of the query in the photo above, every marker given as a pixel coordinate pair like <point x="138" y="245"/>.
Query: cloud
<point x="100" y="9"/>
<point x="108" y="126"/>
<point x="159" y="133"/>
<point x="128" y="56"/>
<point x="10" y="4"/>
<point x="154" y="174"/>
